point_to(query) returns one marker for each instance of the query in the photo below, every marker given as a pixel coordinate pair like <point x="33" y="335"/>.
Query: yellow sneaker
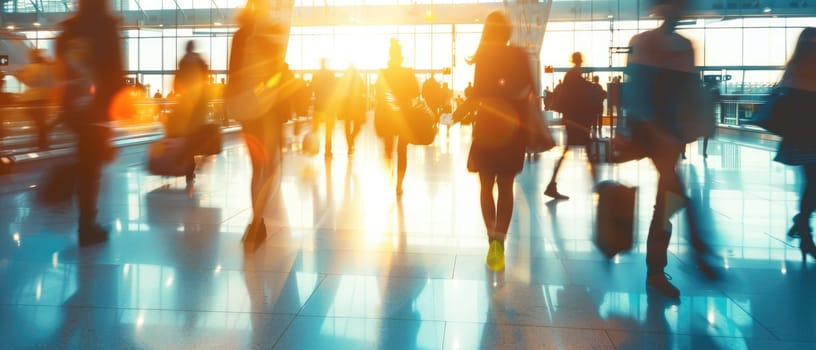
<point x="495" y="256"/>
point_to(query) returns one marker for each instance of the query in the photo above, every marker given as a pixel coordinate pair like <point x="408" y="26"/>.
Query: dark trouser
<point x="89" y="172"/>
<point x="807" y="201"/>
<point x="664" y="156"/>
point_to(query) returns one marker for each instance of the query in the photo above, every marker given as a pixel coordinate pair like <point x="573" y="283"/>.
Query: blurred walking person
<point x="800" y="79"/>
<point x="576" y="100"/>
<point x="323" y="87"/>
<point x="190" y="85"/>
<point x="257" y="67"/>
<point x="38" y="76"/>
<point x="661" y="86"/>
<point x="503" y="83"/>
<point x="397" y="89"/>
<point x="353" y="105"/>
<point x="89" y="53"/>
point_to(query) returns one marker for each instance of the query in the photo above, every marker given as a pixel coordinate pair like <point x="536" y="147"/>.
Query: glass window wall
<point x="750" y="50"/>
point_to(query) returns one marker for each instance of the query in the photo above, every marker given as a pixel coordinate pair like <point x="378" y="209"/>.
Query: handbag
<point x="165" y="157"/>
<point x="421" y="122"/>
<point x="539" y="137"/>
<point x="779" y="112"/>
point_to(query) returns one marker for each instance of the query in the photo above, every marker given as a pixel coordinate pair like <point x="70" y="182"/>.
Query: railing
<point x="736" y="111"/>
<point x="18" y="131"/>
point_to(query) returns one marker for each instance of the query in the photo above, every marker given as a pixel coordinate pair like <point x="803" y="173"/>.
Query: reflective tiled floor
<point x="348" y="265"/>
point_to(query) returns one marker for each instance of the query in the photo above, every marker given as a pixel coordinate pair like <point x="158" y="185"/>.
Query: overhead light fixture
<point x="767" y="10"/>
<point x="610" y="16"/>
<point x="10" y="27"/>
<point x="36" y="24"/>
<point x="217" y="24"/>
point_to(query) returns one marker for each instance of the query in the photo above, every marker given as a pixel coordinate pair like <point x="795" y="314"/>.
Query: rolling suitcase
<point x="165" y="157"/>
<point x="208" y="139"/>
<point x="614" y="224"/>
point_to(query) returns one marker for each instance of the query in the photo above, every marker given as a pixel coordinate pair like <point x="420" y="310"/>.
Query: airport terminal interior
<point x="349" y="263"/>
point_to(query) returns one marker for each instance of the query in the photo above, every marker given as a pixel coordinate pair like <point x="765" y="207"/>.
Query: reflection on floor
<point x="348" y="265"/>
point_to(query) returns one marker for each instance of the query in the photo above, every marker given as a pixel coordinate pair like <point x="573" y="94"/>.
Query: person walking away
<point x="325" y="102"/>
<point x="257" y="58"/>
<point x="574" y="97"/>
<point x="191" y="111"/>
<point x="598" y="97"/>
<point x="502" y="89"/>
<point x="800" y="78"/>
<point x="89" y="54"/>
<point x="397" y="89"/>
<point x="660" y="67"/>
<point x="353" y="105"/>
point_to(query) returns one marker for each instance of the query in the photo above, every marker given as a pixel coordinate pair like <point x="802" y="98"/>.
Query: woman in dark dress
<point x="502" y="84"/>
<point x="800" y="78"/>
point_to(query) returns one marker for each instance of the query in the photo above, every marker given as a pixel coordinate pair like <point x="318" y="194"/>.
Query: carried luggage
<point x="58" y="184"/>
<point x="208" y="140"/>
<point x="614" y="224"/>
<point x="421" y="122"/>
<point x="166" y="157"/>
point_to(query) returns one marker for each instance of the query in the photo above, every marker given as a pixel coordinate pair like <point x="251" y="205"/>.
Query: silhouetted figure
<point x="547" y="96"/>
<point x="432" y="94"/>
<point x="446" y="96"/>
<point x="38" y="76"/>
<point x="503" y="81"/>
<point x="190" y="115"/>
<point x="397" y="88"/>
<point x="257" y="60"/>
<point x="660" y="68"/>
<point x="800" y="79"/>
<point x="575" y="99"/>
<point x="597" y="100"/>
<point x="323" y="84"/>
<point x="353" y="104"/>
<point x="613" y="97"/>
<point x="90" y="54"/>
<point x="158" y="95"/>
